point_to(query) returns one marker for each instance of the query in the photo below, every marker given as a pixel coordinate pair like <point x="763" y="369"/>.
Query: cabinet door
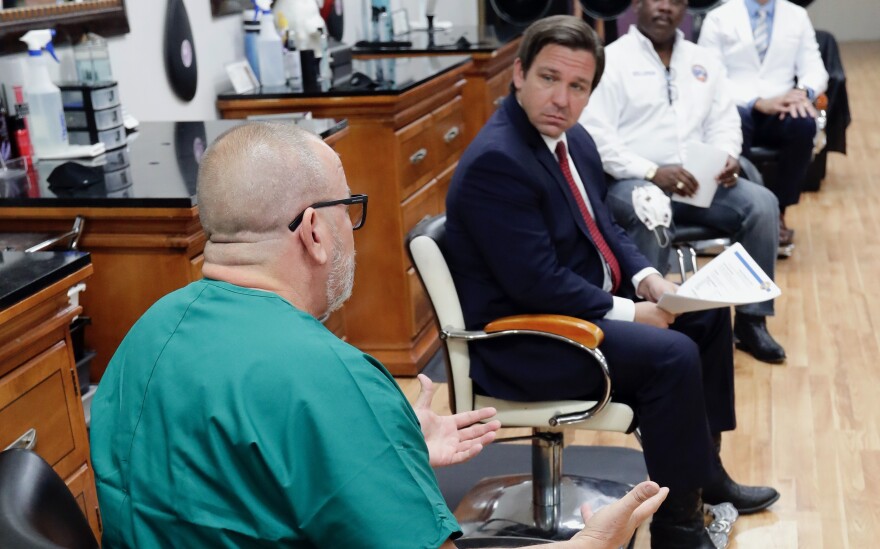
<point x="40" y="407"/>
<point x="82" y="485"/>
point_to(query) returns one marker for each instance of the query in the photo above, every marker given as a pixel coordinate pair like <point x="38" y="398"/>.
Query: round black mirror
<point x="521" y="13"/>
<point x="605" y="9"/>
<point x="802" y="3"/>
<point x="702" y="6"/>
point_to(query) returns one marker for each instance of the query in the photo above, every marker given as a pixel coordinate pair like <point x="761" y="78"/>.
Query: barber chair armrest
<point x="586" y="333"/>
<point x="570" y="330"/>
<point x="821" y="102"/>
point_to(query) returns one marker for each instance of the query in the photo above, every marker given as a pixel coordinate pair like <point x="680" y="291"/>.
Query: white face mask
<point x="654" y="209"/>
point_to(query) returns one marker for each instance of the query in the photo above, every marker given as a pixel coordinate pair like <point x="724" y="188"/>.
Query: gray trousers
<point x="748" y="212"/>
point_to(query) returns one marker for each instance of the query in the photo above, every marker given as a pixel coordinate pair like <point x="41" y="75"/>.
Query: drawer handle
<point x="27" y="441"/>
<point x="418" y="156"/>
<point x="498" y="101"/>
<point x="451" y="134"/>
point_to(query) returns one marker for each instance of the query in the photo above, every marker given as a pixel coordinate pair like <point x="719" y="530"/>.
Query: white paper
<point x="704" y="162"/>
<point x="732" y="278"/>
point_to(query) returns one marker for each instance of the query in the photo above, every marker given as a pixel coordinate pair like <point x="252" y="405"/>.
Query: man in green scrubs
<point x="230" y="417"/>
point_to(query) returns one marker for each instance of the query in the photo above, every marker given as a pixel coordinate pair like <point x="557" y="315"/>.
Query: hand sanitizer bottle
<point x="269" y="48"/>
<point x="48" y="130"/>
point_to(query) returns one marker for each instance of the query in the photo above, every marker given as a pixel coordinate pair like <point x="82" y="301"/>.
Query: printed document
<point x="704" y="162"/>
<point x="732" y="278"/>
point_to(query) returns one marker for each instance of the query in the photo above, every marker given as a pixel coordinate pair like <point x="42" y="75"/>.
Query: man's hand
<point x="794" y="103"/>
<point x="452" y="439"/>
<point x="675" y="179"/>
<point x="652" y="315"/>
<point x="727" y="177"/>
<point x="653" y="286"/>
<point x="613" y="526"/>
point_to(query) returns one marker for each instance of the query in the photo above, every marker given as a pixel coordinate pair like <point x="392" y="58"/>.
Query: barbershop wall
<point x="847" y="19"/>
<point x="138" y="64"/>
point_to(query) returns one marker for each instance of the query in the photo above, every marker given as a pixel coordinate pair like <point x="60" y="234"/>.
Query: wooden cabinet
<point x="40" y="403"/>
<point x="139" y="255"/>
<point x="488" y="83"/>
<point x="401" y="150"/>
<point x="488" y="78"/>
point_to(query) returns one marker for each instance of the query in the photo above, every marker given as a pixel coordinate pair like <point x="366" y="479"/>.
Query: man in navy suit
<point x="528" y="231"/>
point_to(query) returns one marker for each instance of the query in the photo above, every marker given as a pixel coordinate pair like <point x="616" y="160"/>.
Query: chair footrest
<point x="502" y="506"/>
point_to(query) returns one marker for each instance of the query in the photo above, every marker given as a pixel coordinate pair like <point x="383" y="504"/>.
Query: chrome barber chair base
<point x="723" y="517"/>
<point x="713" y="246"/>
<point x="785" y="251"/>
<point x="502" y="506"/>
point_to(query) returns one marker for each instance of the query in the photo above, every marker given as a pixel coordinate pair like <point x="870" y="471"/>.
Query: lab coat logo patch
<point x="700" y="73"/>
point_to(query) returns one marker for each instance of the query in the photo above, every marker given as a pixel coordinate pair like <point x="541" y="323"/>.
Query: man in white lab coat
<point x="774" y="73"/>
<point x="658" y="93"/>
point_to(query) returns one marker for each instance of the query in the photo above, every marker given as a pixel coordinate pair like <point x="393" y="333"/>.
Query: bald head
<point x="255" y="178"/>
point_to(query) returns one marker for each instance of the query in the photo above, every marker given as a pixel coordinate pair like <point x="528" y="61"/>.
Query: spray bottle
<point x="269" y="48"/>
<point x="48" y="130"/>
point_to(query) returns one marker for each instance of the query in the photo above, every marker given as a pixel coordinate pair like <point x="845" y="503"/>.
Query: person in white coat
<point x="775" y="73"/>
<point x="660" y="92"/>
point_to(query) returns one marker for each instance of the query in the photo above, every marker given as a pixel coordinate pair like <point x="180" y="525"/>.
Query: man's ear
<point x="315" y="236"/>
<point x="518" y="74"/>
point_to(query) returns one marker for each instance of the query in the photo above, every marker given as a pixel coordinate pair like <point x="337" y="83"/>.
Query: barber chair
<point x="36" y="508"/>
<point x="688" y="239"/>
<point x="544" y="504"/>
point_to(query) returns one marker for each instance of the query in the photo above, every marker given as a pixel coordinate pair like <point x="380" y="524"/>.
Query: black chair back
<point x="37" y="510"/>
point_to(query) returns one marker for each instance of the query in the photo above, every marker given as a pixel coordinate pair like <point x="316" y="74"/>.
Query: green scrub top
<point x="228" y="418"/>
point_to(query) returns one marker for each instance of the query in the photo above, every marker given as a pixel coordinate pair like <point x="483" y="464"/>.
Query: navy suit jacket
<point x="517" y="244"/>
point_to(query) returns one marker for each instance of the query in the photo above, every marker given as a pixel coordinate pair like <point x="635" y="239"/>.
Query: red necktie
<point x="593" y="229"/>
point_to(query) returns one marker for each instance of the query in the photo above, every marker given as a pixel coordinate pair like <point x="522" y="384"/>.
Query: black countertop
<point x="455" y="40"/>
<point x="389" y="76"/>
<point x="22" y="275"/>
<point x="156" y="169"/>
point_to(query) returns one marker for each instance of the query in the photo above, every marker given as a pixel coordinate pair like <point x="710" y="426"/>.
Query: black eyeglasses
<point x="356" y="206"/>
<point x="671" y="90"/>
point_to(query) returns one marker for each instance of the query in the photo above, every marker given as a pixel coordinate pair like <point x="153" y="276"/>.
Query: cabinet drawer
<point x="420" y="307"/>
<point x="418" y="154"/>
<point x="40" y="397"/>
<point x="498" y="88"/>
<point x="449" y="129"/>
<point x="422" y="204"/>
<point x="82" y="485"/>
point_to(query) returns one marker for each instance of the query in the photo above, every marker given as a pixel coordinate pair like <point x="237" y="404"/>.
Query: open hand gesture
<point x="456" y="438"/>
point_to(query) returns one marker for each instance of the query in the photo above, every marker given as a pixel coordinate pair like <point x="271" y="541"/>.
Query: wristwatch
<point x="652" y="171"/>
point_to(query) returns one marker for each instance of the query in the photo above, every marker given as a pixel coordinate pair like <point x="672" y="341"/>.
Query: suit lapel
<point x="550" y="163"/>
<point x="744" y="32"/>
<point x="779" y="20"/>
<point x="547" y="159"/>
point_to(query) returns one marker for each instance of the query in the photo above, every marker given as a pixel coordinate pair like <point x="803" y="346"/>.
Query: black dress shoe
<point x="679" y="524"/>
<point x="752" y="337"/>
<point x="746" y="499"/>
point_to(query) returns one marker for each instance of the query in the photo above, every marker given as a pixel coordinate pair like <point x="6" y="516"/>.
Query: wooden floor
<point x="810" y="427"/>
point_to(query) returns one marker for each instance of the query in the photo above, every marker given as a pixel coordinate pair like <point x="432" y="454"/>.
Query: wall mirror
<point x="70" y="19"/>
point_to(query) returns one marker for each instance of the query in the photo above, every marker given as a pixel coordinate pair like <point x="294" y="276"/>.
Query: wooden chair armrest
<point x="586" y="333"/>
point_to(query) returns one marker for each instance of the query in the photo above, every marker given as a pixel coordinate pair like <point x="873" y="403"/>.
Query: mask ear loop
<point x="662" y="235"/>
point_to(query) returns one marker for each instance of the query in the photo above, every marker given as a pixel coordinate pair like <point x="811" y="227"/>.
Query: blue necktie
<point x="762" y="34"/>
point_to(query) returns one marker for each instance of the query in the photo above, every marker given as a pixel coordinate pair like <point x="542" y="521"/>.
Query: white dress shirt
<point x="793" y="52"/>
<point x="622" y="309"/>
<point x="642" y="114"/>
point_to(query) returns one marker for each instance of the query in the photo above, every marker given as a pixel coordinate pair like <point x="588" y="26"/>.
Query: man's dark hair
<point x="562" y="30"/>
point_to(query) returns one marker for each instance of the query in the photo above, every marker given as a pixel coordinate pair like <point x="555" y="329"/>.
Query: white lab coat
<point x="630" y="117"/>
<point x="793" y="51"/>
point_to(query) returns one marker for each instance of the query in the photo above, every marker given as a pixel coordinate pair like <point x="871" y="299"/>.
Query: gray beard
<point x="340" y="281"/>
